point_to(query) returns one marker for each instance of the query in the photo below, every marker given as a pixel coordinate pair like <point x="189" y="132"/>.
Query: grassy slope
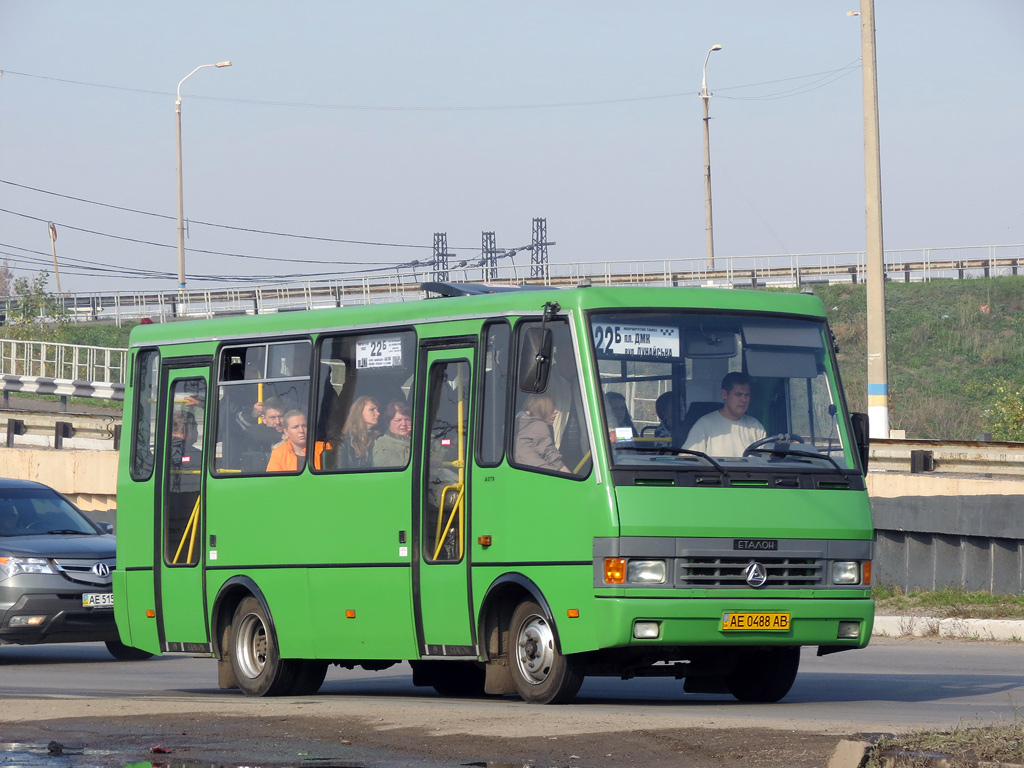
<point x="945" y="354"/>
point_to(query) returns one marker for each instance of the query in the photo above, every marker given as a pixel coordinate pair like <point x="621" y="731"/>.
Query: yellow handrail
<point x="189" y="533"/>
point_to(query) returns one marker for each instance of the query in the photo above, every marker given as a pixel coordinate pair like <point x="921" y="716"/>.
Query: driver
<point x="727" y="431"/>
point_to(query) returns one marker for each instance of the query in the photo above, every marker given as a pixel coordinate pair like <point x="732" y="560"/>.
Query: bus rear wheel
<point x="540" y="672"/>
<point x="764" y="675"/>
<point x="255" y="660"/>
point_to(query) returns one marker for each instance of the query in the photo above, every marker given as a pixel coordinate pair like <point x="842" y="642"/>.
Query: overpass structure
<point x="795" y="270"/>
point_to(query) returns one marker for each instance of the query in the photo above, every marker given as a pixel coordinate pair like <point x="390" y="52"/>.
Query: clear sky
<point x="388" y="121"/>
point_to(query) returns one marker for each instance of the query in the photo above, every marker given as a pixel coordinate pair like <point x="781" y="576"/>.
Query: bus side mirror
<point x="860" y="436"/>
<point x="535" y="359"/>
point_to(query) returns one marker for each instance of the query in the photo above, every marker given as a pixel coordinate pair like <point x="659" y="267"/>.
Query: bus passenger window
<point x="363" y="420"/>
<point x="497" y="340"/>
<point x="556" y="415"/>
<point x="147" y="366"/>
<point x="258" y="384"/>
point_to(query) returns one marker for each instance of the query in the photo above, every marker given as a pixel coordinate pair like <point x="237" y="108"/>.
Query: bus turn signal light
<point x="867" y="573"/>
<point x="151" y="614"/>
<point x="573" y="613"/>
<point x="483" y="541"/>
<point x="350" y="614"/>
<point x="615" y="570"/>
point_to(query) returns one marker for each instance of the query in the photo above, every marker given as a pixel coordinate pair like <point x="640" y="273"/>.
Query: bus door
<point x="181" y="608"/>
<point x="444" y="613"/>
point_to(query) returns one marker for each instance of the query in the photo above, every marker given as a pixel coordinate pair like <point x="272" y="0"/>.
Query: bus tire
<point x="255" y="658"/>
<point x="764" y="675"/>
<point x="540" y="672"/>
<point x="123" y="652"/>
<point x="309" y="676"/>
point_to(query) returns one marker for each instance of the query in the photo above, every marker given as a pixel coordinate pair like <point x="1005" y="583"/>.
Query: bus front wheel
<point x="255" y="660"/>
<point x="541" y="673"/>
<point x="764" y="675"/>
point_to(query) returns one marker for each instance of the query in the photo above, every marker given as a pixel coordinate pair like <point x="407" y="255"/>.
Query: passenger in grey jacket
<point x="392" y="448"/>
<point x="535" y="440"/>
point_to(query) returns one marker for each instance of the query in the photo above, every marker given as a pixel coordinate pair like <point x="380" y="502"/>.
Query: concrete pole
<point x="878" y="374"/>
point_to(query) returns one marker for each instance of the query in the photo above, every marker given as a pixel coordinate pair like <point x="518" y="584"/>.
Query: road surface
<point x="78" y="695"/>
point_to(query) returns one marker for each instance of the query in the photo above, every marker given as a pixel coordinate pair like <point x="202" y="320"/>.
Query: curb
<point x="969" y="629"/>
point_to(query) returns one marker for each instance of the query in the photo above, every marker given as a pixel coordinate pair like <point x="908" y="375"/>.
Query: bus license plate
<point x="98" y="600"/>
<point x="758" y="622"/>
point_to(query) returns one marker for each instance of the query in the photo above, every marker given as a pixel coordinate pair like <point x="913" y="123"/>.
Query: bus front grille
<point x="712" y="571"/>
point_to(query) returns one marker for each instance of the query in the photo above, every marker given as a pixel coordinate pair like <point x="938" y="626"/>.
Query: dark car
<point x="55" y="566"/>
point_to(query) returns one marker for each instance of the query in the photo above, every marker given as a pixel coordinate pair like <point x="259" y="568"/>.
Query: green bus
<point x="510" y="489"/>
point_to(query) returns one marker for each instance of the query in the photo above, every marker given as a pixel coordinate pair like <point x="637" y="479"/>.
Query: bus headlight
<point x="846" y="572"/>
<point x="645" y="572"/>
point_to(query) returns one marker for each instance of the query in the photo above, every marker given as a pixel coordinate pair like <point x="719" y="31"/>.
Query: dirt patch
<point x="296" y="740"/>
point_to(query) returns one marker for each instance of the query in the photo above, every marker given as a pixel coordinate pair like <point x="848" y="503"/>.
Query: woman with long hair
<point x="359" y="434"/>
<point x="535" y="441"/>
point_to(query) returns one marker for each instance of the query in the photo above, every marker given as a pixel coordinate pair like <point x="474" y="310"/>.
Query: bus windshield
<point x="719" y="392"/>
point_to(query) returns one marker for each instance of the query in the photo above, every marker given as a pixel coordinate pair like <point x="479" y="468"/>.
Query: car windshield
<point x="40" y="511"/>
<point x="717" y="392"/>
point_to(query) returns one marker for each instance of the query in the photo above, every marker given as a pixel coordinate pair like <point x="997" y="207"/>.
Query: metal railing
<point x="789" y="270"/>
<point x="67" y="362"/>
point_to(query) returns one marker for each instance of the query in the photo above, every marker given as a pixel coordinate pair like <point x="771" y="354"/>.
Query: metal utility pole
<point x="489" y="256"/>
<point x="708" y="228"/>
<point x="539" y="250"/>
<point x="878" y="373"/>
<point x="441" y="257"/>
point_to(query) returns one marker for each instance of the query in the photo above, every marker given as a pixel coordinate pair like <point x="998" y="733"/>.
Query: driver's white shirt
<point x="716" y="435"/>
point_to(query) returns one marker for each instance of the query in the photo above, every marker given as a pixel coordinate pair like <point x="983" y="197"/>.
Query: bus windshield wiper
<point x="664" y="451"/>
<point x="783" y="449"/>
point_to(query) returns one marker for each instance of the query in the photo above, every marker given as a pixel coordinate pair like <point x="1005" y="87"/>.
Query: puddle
<point x="15" y="754"/>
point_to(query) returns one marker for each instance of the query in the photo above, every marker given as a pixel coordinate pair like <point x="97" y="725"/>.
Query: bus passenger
<point x="727" y="431"/>
<point x="393" y="447"/>
<point x="290" y="456"/>
<point x="535" y="442"/>
<point x="359" y="434"/>
<point x="250" y="441"/>
<point x="618" y="413"/>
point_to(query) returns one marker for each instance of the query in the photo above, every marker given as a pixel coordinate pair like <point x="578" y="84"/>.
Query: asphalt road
<point x="894" y="685"/>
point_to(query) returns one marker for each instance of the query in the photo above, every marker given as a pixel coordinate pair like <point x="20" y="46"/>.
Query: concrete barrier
<point x="88" y="478"/>
<point x="934" y="531"/>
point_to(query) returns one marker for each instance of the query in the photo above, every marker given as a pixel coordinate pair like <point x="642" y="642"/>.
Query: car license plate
<point x="758" y="622"/>
<point x="98" y="600"/>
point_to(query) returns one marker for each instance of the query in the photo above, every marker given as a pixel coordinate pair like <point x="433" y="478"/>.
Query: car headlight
<point x="645" y="572"/>
<point x="12" y="566"/>
<point x="846" y="572"/>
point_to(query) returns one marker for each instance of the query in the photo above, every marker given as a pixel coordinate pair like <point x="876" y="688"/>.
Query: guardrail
<point x="910" y="265"/>
<point x="68" y="362"/>
<point x="27" y="429"/>
<point x="948" y="457"/>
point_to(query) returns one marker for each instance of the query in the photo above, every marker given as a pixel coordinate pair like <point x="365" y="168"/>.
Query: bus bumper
<point x="829" y="622"/>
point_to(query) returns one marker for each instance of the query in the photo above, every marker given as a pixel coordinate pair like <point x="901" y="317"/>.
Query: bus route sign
<point x="651" y="341"/>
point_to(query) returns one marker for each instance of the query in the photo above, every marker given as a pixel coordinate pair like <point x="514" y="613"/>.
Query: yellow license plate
<point x="758" y="622"/>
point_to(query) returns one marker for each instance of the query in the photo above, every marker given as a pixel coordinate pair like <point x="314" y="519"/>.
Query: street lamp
<point x="707" y="160"/>
<point x="181" y="204"/>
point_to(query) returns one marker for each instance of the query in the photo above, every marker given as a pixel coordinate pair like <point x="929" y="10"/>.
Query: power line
<point x="225" y="226"/>
<point x="435" y="108"/>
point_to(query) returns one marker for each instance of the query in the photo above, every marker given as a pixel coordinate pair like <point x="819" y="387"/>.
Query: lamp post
<point x="709" y="230"/>
<point x="181" y="203"/>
